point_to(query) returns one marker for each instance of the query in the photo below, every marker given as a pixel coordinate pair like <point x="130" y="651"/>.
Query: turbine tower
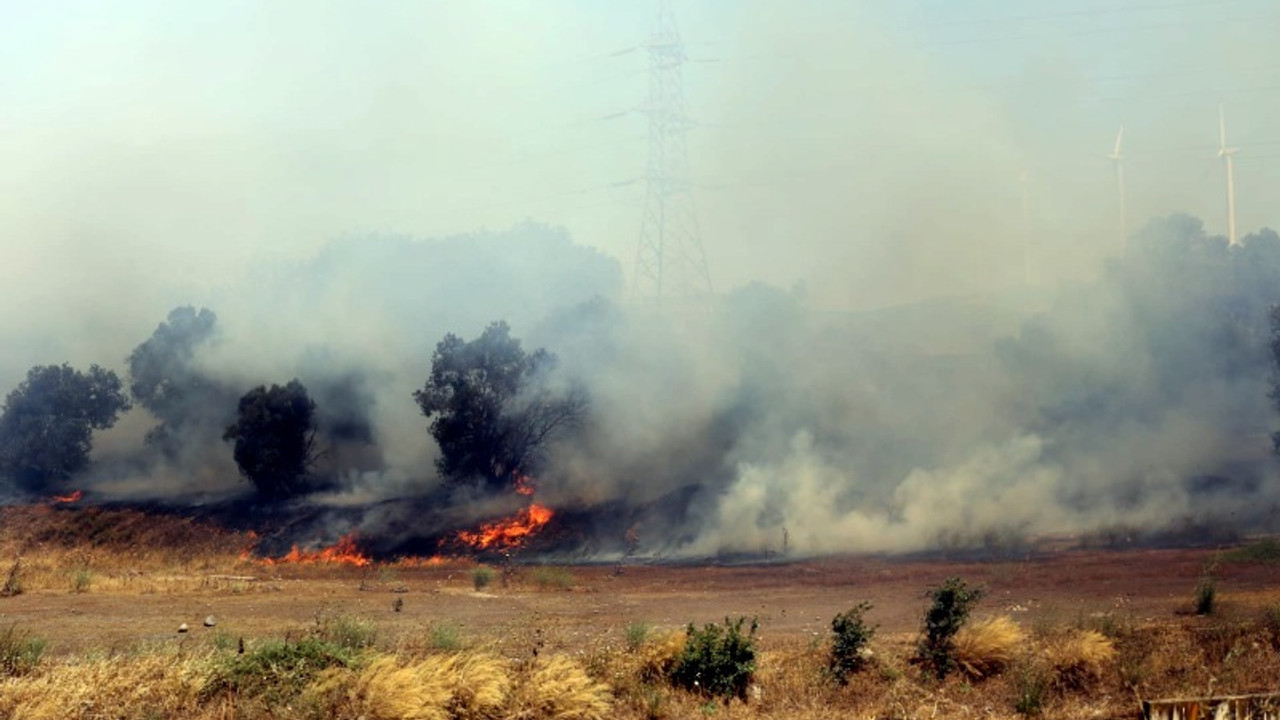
<point x="1117" y="159"/>
<point x="670" y="262"/>
<point x="1226" y="154"/>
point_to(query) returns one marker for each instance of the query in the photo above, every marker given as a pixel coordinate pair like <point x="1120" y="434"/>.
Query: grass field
<point x="92" y="601"/>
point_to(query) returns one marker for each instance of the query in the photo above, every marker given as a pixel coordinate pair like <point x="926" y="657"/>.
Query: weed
<point x="849" y="642"/>
<point x="636" y="633"/>
<point x="1077" y="658"/>
<point x="718" y="660"/>
<point x="13" y="581"/>
<point x="19" y="652"/>
<point x="1030" y="687"/>
<point x="481" y="577"/>
<point x="952" y="602"/>
<point x="553" y="578"/>
<point x="347" y="632"/>
<point x="446" y="637"/>
<point x="1206" y="594"/>
<point x="81" y="579"/>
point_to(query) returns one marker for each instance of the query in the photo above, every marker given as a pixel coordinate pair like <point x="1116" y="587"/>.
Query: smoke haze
<point x="928" y="329"/>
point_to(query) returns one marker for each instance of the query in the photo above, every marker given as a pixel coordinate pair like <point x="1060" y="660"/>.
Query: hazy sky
<point x="878" y="152"/>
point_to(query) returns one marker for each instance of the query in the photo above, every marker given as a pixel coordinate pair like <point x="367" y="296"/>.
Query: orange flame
<point x="74" y="496"/>
<point x="343" y="552"/>
<point x="509" y="532"/>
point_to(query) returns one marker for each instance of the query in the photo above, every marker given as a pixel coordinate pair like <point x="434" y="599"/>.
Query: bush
<point x="952" y="602"/>
<point x="481" y="577"/>
<point x="278" y="671"/>
<point x="1266" y="550"/>
<point x="718" y="660"/>
<point x="848" y="645"/>
<point x="19" y="652"/>
<point x="988" y="647"/>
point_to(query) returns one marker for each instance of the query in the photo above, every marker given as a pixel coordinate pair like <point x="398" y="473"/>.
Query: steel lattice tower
<point x="670" y="262"/>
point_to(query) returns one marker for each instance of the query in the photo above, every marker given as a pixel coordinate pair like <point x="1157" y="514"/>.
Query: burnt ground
<point x="793" y="600"/>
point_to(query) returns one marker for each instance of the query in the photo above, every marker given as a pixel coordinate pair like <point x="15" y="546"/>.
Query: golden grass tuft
<point x="385" y="690"/>
<point x="1077" y="658"/>
<point x="987" y="647"/>
<point x="658" y="654"/>
<point x="110" y="688"/>
<point x="479" y="685"/>
<point x="557" y="688"/>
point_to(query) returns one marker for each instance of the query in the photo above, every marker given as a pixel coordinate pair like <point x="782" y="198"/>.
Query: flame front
<point x="70" y="498"/>
<point x="509" y="532"/>
<point x="343" y="552"/>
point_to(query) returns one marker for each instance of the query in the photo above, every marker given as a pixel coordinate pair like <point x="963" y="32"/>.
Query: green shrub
<point x="278" y="671"/>
<point x="952" y="602"/>
<point x="481" y="577"/>
<point x="718" y="660"/>
<point x="850" y="635"/>
<point x="19" y="652"/>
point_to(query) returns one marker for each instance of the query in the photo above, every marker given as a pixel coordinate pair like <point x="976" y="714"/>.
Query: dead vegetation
<point x="381" y="664"/>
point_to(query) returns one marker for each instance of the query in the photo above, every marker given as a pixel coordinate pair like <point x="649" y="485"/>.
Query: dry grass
<point x="156" y="685"/>
<point x="1077" y="658"/>
<point x="384" y="689"/>
<point x="557" y="688"/>
<point x="987" y="647"/>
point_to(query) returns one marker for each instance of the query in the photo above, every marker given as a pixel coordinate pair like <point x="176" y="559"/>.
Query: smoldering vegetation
<point x="1136" y="402"/>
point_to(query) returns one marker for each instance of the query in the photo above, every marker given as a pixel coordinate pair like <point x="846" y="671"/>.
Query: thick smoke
<point x="754" y="424"/>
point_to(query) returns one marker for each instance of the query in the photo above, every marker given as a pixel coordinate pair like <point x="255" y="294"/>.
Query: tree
<point x="274" y="437"/>
<point x="494" y="408"/>
<point x="48" y="421"/>
<point x="165" y="381"/>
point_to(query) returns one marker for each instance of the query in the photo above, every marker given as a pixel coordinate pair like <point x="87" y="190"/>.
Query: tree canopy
<point x="274" y="437"/>
<point x="48" y="421"/>
<point x="164" y="379"/>
<point x="494" y="408"/>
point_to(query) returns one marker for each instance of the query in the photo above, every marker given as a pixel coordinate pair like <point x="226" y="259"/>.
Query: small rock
<point x="182" y="628"/>
<point x="209" y="621"/>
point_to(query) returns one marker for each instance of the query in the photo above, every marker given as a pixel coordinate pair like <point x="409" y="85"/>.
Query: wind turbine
<point x="1117" y="159"/>
<point x="1226" y="153"/>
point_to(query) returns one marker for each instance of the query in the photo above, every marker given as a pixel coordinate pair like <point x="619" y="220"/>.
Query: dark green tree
<point x="494" y="408"/>
<point x="274" y="437"/>
<point x="48" y="421"/>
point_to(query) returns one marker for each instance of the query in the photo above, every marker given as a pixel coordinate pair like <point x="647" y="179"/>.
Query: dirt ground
<point x="793" y="601"/>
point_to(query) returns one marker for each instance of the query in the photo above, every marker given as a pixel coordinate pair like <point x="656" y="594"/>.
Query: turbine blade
<point x="1115" y="154"/>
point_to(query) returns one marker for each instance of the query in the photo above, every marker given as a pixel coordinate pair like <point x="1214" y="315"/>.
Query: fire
<point x="343" y="552"/>
<point x="525" y="484"/>
<point x="70" y="498"/>
<point x="509" y="532"/>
